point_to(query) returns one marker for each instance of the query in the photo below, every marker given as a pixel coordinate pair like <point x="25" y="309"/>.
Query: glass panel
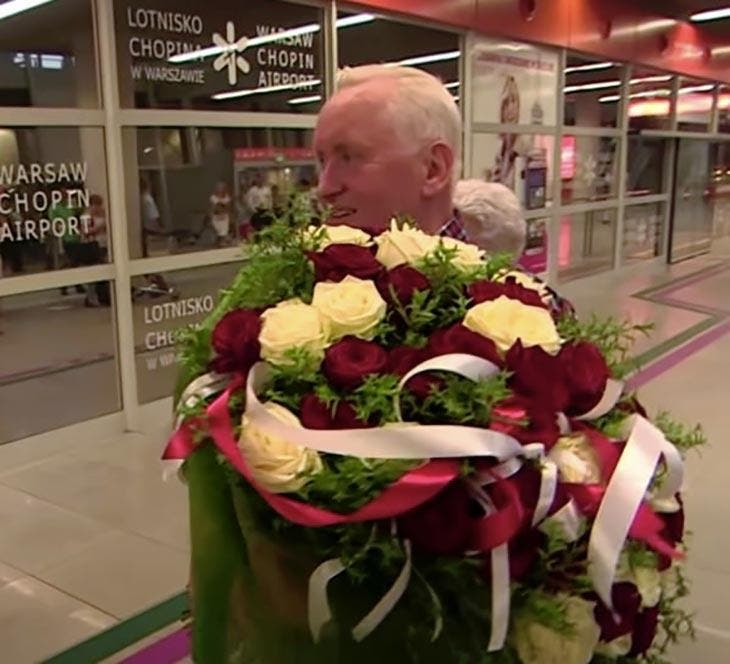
<point x="534" y="257"/>
<point x="513" y="83"/>
<point x="52" y="198"/>
<point x="693" y="206"/>
<point x="59" y="354"/>
<point x="643" y="229"/>
<point x="523" y="162"/>
<point x="592" y="173"/>
<point x="590" y="88"/>
<point x="164" y="303"/>
<point x="694" y="104"/>
<point x="645" y="166"/>
<point x="228" y="55"/>
<point x="586" y="243"/>
<point x="48" y="56"/>
<point x="723" y="106"/>
<point x="365" y="38"/>
<point x="650" y="94"/>
<point x="197" y="188"/>
<point x="720" y="190"/>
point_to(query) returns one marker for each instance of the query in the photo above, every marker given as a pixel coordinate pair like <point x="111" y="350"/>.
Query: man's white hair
<point x="424" y="109"/>
<point x="492" y="216"/>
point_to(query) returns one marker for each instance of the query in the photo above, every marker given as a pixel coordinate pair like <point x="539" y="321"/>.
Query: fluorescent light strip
<point x="590" y="67"/>
<point x="711" y="15"/>
<point x="453" y="84"/>
<point x="305" y="100"/>
<point x="697" y="88"/>
<point x="651" y="79"/>
<point x="14" y="7"/>
<point x="210" y="51"/>
<point x="598" y="85"/>
<point x="234" y="94"/>
<point x="662" y="92"/>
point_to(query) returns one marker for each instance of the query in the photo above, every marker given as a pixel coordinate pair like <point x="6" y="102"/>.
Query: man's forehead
<point x="365" y="100"/>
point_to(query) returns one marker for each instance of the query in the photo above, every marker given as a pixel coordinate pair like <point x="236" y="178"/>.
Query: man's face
<point x="367" y="172"/>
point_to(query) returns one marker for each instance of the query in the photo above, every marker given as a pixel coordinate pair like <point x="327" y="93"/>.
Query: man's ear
<point x="439" y="164"/>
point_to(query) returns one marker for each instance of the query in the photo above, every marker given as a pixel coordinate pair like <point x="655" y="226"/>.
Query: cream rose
<point x="352" y="306"/>
<point x="539" y="644"/>
<point x="576" y="460"/>
<point x="405" y="245"/>
<point x="467" y="255"/>
<point x="291" y="324"/>
<point x="276" y="464"/>
<point x="526" y="281"/>
<point x="340" y="235"/>
<point x="505" y="320"/>
<point x="648" y="580"/>
<point x="617" y="648"/>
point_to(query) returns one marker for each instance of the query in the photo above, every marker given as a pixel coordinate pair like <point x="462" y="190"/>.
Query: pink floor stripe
<point x="169" y="649"/>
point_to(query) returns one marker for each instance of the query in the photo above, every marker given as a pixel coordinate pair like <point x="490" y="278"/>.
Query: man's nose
<point x="330" y="185"/>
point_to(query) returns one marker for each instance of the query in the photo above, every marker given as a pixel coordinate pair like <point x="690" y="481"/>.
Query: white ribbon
<point x="625" y="491"/>
<point x="611" y="395"/>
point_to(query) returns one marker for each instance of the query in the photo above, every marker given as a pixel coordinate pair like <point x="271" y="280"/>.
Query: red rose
<point x="527" y="421"/>
<point x="336" y="261"/>
<point x="645" y="626"/>
<point x="404" y="281"/>
<point x="402" y="359"/>
<point x="236" y="341"/>
<point x="538" y="376"/>
<point x="441" y="526"/>
<point x="586" y="373"/>
<point x="458" y="339"/>
<point x="315" y="414"/>
<point x="626" y="603"/>
<point x="349" y="361"/>
<point x="482" y="291"/>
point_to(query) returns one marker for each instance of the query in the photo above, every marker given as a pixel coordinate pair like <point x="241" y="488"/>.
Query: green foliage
<point x="457" y="400"/>
<point x="289" y="382"/>
<point x="374" y="400"/>
<point x="613" y="337"/>
<point x="683" y="437"/>
<point x="546" y="609"/>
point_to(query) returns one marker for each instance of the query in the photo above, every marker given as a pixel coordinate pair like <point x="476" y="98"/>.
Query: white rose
<point x="619" y="647"/>
<point x="648" y="580"/>
<point x="505" y="320"/>
<point x="291" y="324"/>
<point x="340" y="235"/>
<point x="352" y="306"/>
<point x="405" y="245"/>
<point x="276" y="464"/>
<point x="467" y="255"/>
<point x="526" y="281"/>
<point x="539" y="644"/>
<point x="576" y="460"/>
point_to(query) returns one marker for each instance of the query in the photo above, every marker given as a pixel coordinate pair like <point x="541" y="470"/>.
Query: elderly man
<point x="389" y="142"/>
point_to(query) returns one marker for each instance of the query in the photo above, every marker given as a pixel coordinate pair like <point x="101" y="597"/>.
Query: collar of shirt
<point x="454" y="228"/>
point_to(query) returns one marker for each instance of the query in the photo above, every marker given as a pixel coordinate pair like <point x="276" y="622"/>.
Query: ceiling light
<point x="711" y="15"/>
<point x="598" y="85"/>
<point x="662" y="92"/>
<point x="14" y="7"/>
<point x="234" y="94"/>
<point x="651" y="79"/>
<point x="590" y="67"/>
<point x="453" y="84"/>
<point x="210" y="51"/>
<point x="697" y="88"/>
<point x="305" y="100"/>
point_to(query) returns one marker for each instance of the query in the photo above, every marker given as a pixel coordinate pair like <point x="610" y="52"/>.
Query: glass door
<point x="692" y="209"/>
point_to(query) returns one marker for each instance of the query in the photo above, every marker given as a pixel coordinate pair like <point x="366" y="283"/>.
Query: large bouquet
<point x="399" y="449"/>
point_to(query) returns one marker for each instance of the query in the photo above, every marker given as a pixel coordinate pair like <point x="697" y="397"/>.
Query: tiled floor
<point x="91" y="534"/>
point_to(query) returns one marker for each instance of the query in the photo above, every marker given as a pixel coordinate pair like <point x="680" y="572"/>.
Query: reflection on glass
<point x="254" y="56"/>
<point x="522" y="162"/>
<point x="48" y="56"/>
<point x="162" y="305"/>
<point x="720" y="190"/>
<point x="694" y="104"/>
<point x="643" y="229"/>
<point x="723" y="109"/>
<point x="57" y="361"/>
<point x="589" y="167"/>
<point x="197" y="188"/>
<point x="513" y="83"/>
<point x="693" y="203"/>
<point x="534" y="256"/>
<point x="586" y="243"/>
<point x="650" y="93"/>
<point x="590" y="86"/>
<point x="645" y="166"/>
<point x="377" y="39"/>
<point x="52" y="199"/>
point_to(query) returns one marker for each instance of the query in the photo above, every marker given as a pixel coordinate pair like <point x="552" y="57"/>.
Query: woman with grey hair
<point x="492" y="216"/>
